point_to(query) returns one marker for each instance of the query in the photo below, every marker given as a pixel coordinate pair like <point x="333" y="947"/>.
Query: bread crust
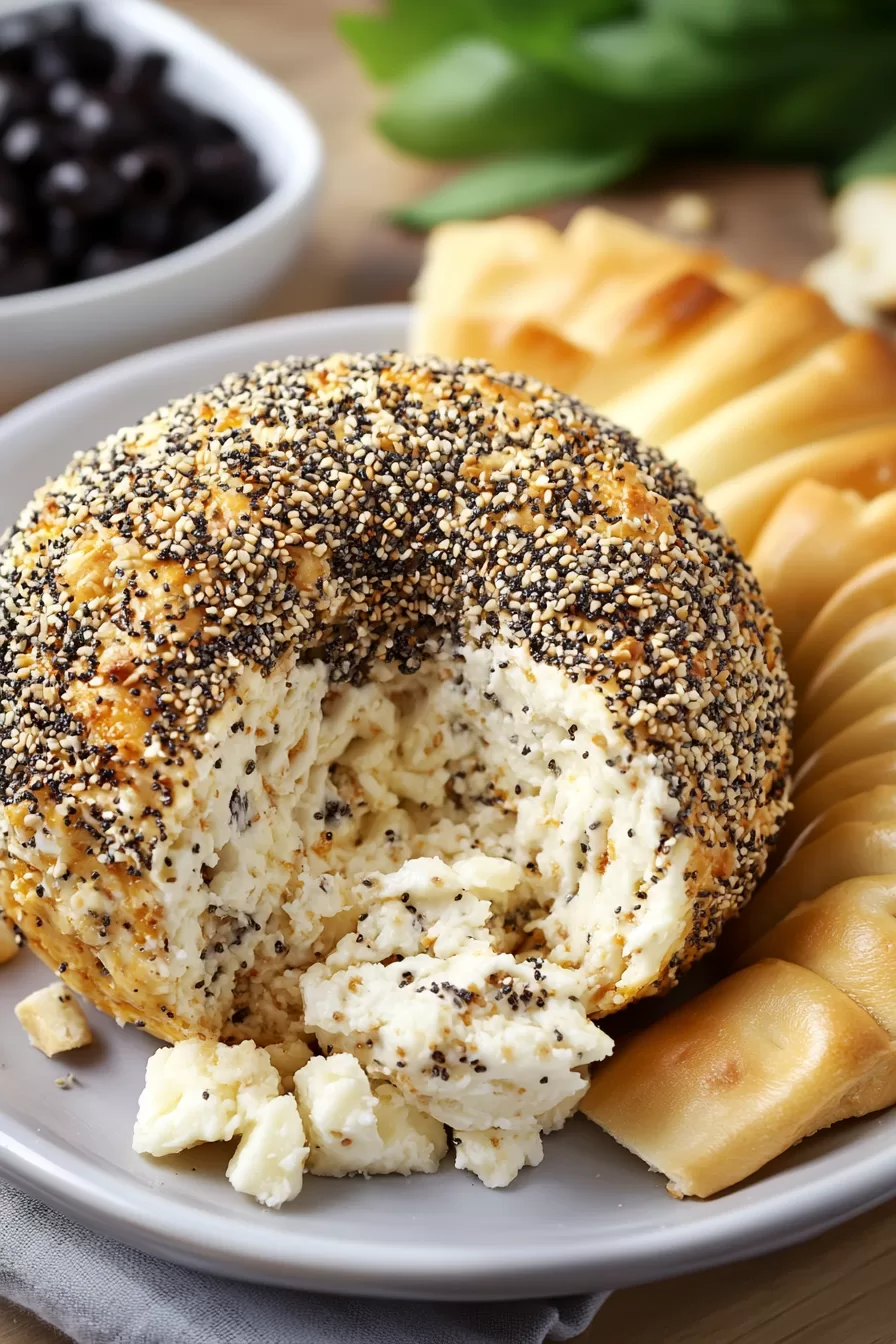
<point x="867" y="592"/>
<point x="758" y="341"/>
<point x="731" y="1080"/>
<point x="847" y="936"/>
<point x="817" y="539"/>
<point x="854" y="849"/>
<point x="848" y="383"/>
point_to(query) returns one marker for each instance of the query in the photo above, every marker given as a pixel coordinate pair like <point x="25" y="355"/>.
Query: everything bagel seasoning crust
<point x="286" y="639"/>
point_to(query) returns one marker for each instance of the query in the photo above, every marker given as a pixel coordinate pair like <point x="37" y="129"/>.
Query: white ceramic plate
<point x="591" y="1216"/>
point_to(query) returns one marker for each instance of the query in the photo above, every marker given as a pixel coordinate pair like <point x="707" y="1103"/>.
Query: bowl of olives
<point x="153" y="185"/>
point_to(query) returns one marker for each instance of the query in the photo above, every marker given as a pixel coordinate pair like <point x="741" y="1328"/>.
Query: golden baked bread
<point x="875" y="691"/>
<point x="590" y="310"/>
<point x="867" y="592"/>
<point x="816" y="539"/>
<point x="758" y="341"/>
<point x="876" y="804"/>
<point x="863" y="460"/>
<point x="848" y="936"/>
<point x="843" y="385"/>
<point x="868" y="646"/>
<point x="719" y="1087"/>
<point x="873" y="732"/>
<point x="327" y="617"/>
<point x="841" y="785"/>
<point x="851" y="849"/>
<point x="593" y="310"/>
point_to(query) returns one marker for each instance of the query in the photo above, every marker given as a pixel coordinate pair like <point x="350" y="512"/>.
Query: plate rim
<point x="289" y="1256"/>
<point x="361" y="1267"/>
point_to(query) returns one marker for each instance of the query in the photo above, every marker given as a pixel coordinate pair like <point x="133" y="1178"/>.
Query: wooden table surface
<point x="839" y="1288"/>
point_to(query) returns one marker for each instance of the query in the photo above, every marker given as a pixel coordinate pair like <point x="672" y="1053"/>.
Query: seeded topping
<point x="366" y="511"/>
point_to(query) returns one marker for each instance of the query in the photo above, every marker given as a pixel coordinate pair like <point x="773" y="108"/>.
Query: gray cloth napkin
<point x="99" y="1292"/>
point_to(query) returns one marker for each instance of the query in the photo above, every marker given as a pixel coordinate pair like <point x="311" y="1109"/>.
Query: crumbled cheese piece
<point x="496" y="1156"/>
<point x="412" y="1140"/>
<point x="477" y="1040"/>
<point x="355" y="1129"/>
<point x="54" y="1020"/>
<point x="484" y="875"/>
<point x="66" y="1082"/>
<point x="858" y="278"/>
<point x="422" y="880"/>
<point x="339" y="1113"/>
<point x="9" y="944"/>
<point x="838" y="277"/>
<point x="271" y="1155"/>
<point x="689" y="212"/>
<point x="201" y="1092"/>
<point x="287" y="1058"/>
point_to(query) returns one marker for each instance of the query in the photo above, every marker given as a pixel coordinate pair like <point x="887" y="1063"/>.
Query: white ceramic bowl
<point x="591" y="1216"/>
<point x="52" y="334"/>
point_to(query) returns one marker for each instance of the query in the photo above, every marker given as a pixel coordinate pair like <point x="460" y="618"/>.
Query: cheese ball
<point x="288" y="634"/>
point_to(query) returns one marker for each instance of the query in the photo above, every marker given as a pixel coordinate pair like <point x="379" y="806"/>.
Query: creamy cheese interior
<point x="373" y="858"/>
<point x="486" y="753"/>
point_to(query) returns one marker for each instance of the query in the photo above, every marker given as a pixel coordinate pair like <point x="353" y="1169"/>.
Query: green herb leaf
<point x="733" y="18"/>
<point x="514" y="184"/>
<point x="391" y="43"/>
<point x="829" y="115"/>
<point x="878" y="159"/>
<point x="654" y="63"/>
<point x="587" y="79"/>
<point x="476" y="98"/>
<point x="537" y="28"/>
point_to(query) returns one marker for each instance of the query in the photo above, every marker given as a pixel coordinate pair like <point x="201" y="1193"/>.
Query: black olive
<point x="94" y="117"/>
<point x="10" y="186"/>
<point x="50" y="62"/>
<point x="212" y="130"/>
<point x="146" y="226"/>
<point x="65" y="97"/>
<point x="85" y="187"/>
<point x="12" y="221"/>
<point x="154" y="175"/>
<point x="30" y="143"/>
<point x="19" y="97"/>
<point x="226" y="174"/>
<point x="139" y="76"/>
<point x="176" y="120"/>
<point x="102" y="165"/>
<point x="197" y="223"/>
<point x="81" y="54"/>
<point x="61" y="18"/>
<point x="66" y="238"/>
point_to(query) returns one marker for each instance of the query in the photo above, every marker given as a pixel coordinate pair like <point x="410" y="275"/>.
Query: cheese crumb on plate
<point x="270" y="1158"/>
<point x="201" y="1092"/>
<point x="355" y="1129"/>
<point x="54" y="1020"/>
<point x="496" y="1156"/>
